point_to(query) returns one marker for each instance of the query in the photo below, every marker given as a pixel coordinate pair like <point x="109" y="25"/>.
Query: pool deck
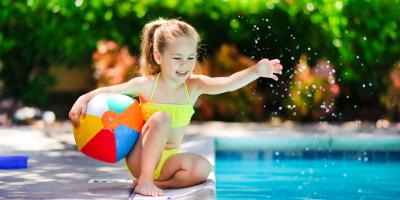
<point x="58" y="171"/>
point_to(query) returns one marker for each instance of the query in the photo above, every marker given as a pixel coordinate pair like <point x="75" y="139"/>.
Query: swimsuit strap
<point x="154" y="86"/>
<point x="187" y="92"/>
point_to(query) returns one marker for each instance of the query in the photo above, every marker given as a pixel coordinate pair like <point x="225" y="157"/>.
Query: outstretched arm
<point x="264" y="68"/>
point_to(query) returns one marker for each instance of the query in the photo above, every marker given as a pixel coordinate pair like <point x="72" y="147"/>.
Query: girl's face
<point x="179" y="58"/>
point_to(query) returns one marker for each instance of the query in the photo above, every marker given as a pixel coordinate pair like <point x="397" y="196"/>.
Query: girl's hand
<point x="78" y="109"/>
<point x="268" y="68"/>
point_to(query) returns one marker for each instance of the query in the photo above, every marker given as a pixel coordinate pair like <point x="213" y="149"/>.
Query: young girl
<point x="167" y="91"/>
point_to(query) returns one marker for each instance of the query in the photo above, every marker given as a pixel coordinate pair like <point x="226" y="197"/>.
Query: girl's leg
<point x="183" y="170"/>
<point x="153" y="139"/>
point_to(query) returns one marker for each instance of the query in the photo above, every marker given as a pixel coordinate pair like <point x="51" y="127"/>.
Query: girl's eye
<point x="190" y="58"/>
<point x="177" y="58"/>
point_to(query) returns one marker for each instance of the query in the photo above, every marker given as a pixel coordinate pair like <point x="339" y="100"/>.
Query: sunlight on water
<point x="306" y="179"/>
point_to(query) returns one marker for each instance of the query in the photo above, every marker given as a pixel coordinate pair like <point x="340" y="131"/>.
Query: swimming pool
<point x="248" y="169"/>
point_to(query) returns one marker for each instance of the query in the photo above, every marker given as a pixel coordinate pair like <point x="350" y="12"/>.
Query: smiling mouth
<point x="181" y="73"/>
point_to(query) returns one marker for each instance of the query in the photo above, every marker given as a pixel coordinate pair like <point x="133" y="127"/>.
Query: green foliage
<point x="359" y="37"/>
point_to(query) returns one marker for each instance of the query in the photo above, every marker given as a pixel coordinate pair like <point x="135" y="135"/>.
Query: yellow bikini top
<point x="180" y="113"/>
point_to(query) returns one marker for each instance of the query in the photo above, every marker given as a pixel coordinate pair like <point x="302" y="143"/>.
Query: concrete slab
<point x="58" y="171"/>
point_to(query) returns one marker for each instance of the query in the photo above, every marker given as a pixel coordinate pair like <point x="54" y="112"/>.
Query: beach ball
<point x="111" y="127"/>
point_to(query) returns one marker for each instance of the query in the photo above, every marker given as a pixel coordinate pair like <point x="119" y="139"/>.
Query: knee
<point x="200" y="169"/>
<point x="161" y="121"/>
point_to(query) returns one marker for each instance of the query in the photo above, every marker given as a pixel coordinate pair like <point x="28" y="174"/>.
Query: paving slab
<point x="57" y="170"/>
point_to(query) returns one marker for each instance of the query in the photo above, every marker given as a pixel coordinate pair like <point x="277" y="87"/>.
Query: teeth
<point x="181" y="72"/>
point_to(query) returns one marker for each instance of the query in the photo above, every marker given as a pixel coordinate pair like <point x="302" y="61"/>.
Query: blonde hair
<point x="155" y="36"/>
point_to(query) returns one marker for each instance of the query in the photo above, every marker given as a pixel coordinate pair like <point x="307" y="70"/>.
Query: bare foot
<point x="159" y="184"/>
<point x="147" y="188"/>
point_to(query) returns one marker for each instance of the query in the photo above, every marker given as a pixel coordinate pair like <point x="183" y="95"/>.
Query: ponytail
<point x="148" y="65"/>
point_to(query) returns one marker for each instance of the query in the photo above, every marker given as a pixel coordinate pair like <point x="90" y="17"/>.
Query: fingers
<point x="71" y="118"/>
<point x="275" y="61"/>
<point x="75" y="121"/>
<point x="74" y="118"/>
<point x="83" y="113"/>
<point x="276" y="67"/>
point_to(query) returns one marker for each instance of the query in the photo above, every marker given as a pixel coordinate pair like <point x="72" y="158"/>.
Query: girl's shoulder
<point x="195" y="78"/>
<point x="146" y="84"/>
<point x="144" y="80"/>
<point x="194" y="81"/>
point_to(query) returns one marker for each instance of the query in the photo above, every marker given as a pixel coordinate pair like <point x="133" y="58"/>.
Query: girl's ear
<point x="157" y="57"/>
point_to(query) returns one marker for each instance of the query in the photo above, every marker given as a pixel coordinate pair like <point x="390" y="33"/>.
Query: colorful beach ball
<point x="111" y="127"/>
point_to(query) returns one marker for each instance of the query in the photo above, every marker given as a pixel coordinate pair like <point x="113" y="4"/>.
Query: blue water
<point x="240" y="176"/>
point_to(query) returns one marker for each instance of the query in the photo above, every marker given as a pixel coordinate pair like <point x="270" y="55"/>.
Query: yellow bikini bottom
<point x="164" y="156"/>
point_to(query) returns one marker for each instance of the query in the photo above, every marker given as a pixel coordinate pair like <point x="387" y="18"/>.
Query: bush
<point x="313" y="91"/>
<point x="361" y="43"/>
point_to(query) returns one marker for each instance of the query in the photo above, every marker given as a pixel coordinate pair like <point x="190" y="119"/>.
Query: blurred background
<point x="341" y="58"/>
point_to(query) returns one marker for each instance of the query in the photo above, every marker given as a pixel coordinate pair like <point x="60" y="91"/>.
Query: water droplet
<point x="327" y="110"/>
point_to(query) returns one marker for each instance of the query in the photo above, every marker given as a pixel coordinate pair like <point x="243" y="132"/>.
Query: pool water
<point x="325" y="175"/>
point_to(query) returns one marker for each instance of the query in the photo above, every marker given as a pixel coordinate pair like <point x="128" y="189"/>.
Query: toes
<point x="134" y="183"/>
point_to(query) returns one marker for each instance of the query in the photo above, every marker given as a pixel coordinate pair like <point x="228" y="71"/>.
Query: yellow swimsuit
<point x="180" y="115"/>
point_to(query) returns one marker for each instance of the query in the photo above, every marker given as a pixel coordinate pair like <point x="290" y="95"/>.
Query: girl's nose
<point x="185" y="62"/>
